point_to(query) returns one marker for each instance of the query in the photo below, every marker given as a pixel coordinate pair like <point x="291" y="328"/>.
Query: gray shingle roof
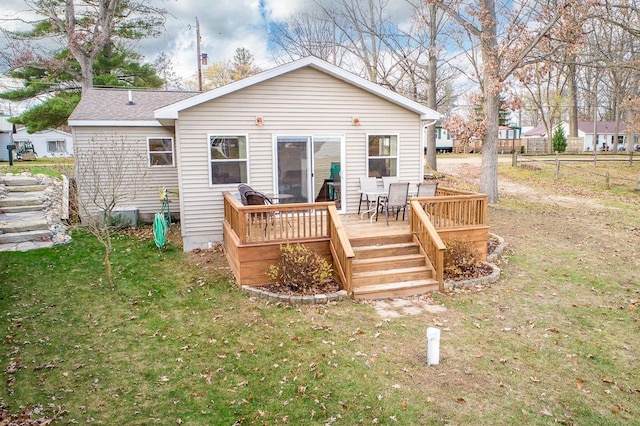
<point x="113" y="104"/>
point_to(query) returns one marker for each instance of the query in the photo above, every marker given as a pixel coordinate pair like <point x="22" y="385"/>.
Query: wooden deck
<point x="370" y="258"/>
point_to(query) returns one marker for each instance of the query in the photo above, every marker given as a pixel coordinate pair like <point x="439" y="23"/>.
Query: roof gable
<point x="172" y="111"/>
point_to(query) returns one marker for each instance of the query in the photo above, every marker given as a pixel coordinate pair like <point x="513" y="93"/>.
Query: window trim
<point x="173" y="152"/>
<point x="211" y="160"/>
<point x="396" y="157"/>
<point x="64" y="145"/>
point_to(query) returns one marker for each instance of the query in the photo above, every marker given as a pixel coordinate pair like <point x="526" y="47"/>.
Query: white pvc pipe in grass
<point x="433" y="346"/>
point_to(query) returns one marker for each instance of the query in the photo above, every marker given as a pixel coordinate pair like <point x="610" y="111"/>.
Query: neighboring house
<point x="509" y="139"/>
<point x="47" y="143"/>
<point x="605" y="135"/>
<point x="6" y="136"/>
<point x="284" y="130"/>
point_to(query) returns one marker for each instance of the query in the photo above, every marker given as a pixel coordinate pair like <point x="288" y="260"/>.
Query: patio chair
<point x="255" y="198"/>
<point x="243" y="189"/>
<point x="367" y="184"/>
<point x="427" y="189"/>
<point x="386" y="180"/>
<point x="395" y="200"/>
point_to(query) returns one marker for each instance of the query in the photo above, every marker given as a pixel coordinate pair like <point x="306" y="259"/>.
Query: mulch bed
<point x="325" y="288"/>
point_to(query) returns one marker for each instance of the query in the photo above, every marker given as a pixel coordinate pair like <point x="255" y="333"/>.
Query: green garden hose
<point x="160" y="230"/>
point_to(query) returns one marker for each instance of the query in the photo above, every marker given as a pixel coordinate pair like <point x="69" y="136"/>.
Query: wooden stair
<point x="390" y="266"/>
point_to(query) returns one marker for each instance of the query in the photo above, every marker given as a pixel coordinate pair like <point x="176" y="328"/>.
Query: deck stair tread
<point x="395" y="271"/>
<point x="385" y="259"/>
<point x="395" y="289"/>
<point x="388" y="262"/>
<point x="400" y="249"/>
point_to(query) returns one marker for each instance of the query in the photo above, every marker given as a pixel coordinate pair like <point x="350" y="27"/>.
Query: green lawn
<point x="176" y="342"/>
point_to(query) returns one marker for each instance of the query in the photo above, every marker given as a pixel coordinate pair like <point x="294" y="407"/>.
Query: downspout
<point x="423" y="143"/>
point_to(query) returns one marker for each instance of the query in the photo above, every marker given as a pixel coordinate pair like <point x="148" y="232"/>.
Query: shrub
<point x="300" y="269"/>
<point x="461" y="261"/>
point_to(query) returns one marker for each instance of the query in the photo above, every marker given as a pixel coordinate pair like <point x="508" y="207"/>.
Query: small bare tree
<point x="110" y="173"/>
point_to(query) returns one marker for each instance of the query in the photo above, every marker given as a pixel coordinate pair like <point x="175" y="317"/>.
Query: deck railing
<point x="276" y="223"/>
<point x="428" y="239"/>
<point x="452" y="208"/>
<point x="341" y="249"/>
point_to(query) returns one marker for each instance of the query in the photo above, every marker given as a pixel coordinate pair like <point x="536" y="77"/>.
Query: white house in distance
<point x="6" y="136"/>
<point x="282" y="131"/>
<point x="47" y="143"/>
<point x="605" y="134"/>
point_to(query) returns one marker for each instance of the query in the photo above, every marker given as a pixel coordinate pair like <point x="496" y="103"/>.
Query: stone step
<point x="22" y="209"/>
<point x="25" y="188"/>
<point x="21" y="237"/>
<point x="395" y="289"/>
<point x="19" y="180"/>
<point x="17" y="201"/>
<point x="23" y="225"/>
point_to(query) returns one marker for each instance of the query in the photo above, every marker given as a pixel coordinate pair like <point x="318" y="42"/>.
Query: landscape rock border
<point x="295" y="300"/>
<point x="488" y="279"/>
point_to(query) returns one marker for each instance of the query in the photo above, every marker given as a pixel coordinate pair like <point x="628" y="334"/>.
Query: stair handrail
<point x="428" y="239"/>
<point x="341" y="249"/>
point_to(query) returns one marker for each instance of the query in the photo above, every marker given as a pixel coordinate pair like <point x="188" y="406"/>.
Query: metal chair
<point x="386" y="180"/>
<point x="367" y="184"/>
<point x="427" y="189"/>
<point x="395" y="200"/>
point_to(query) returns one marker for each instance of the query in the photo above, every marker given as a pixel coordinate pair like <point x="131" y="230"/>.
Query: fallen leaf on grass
<point x="460" y="400"/>
<point x="579" y="383"/>
<point x="163" y="379"/>
<point x="534" y="379"/>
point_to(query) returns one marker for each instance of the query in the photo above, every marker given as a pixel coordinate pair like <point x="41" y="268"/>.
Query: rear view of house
<point x="285" y="131"/>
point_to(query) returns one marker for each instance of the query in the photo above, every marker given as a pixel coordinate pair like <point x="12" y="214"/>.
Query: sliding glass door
<point x="309" y="168"/>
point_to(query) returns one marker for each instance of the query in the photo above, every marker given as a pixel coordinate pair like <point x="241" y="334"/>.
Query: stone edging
<point x="317" y="299"/>
<point x="489" y="279"/>
<point x="493" y="257"/>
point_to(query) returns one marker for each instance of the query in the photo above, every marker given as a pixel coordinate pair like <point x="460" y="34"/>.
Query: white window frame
<point x="396" y="157"/>
<point x="173" y="152"/>
<point x="211" y="160"/>
<point x="57" y="142"/>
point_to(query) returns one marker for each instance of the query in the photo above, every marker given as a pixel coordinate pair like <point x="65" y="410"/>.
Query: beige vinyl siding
<point x="306" y="102"/>
<point x="147" y="202"/>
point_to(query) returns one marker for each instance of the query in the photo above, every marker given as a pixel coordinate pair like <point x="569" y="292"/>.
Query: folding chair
<point x="395" y="200"/>
<point x="367" y="184"/>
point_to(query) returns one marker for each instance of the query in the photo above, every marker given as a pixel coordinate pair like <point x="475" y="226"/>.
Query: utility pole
<point x="199" y="56"/>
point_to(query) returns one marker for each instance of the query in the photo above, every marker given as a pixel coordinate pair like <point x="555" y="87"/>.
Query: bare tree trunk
<point x="491" y="96"/>
<point x="432" y="102"/>
<point x="573" y="97"/>
<point x="489" y="176"/>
